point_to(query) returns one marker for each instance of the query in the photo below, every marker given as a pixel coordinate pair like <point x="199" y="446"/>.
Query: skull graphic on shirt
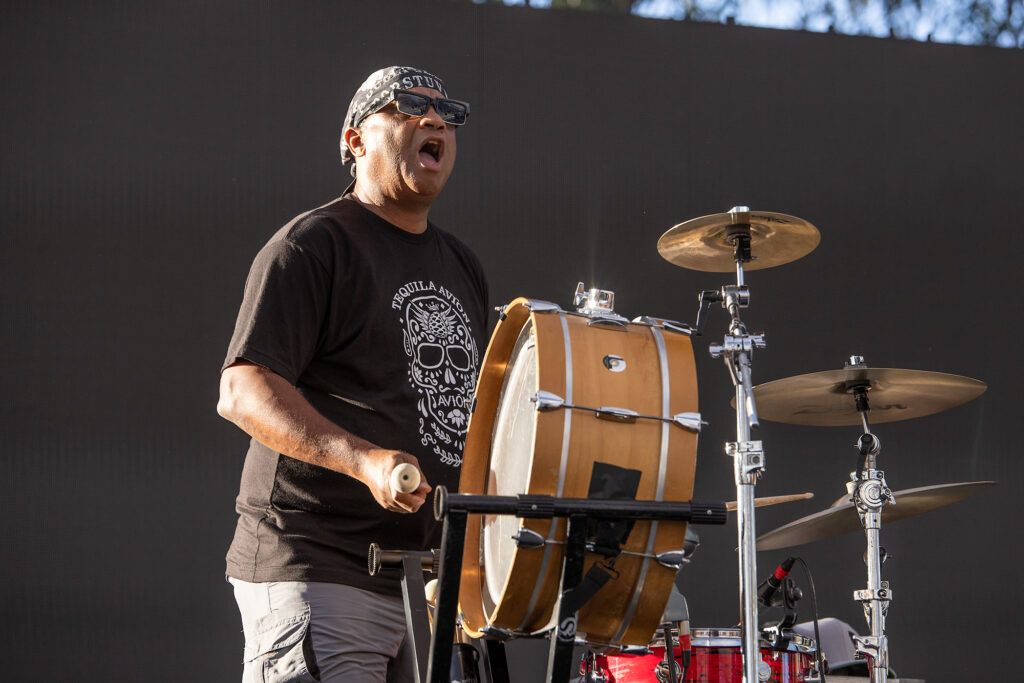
<point x="443" y="359"/>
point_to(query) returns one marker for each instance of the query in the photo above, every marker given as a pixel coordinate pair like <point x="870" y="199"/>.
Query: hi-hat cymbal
<point x="706" y="243"/>
<point x="842" y="517"/>
<point x="826" y="399"/>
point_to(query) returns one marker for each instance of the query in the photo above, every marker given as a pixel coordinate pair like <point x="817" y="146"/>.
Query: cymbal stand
<point x="748" y="456"/>
<point x="870" y="493"/>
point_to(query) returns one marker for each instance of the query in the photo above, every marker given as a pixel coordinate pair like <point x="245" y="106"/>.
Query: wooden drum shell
<point x="659" y="379"/>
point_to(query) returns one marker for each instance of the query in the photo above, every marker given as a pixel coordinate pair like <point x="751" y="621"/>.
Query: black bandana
<point x="378" y="90"/>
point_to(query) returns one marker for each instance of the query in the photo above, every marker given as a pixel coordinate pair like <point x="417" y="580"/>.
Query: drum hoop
<point x="732" y="637"/>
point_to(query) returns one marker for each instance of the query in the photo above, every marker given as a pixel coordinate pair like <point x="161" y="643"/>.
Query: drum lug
<point x="529" y="539"/>
<point x="672" y="559"/>
<point x="662" y="323"/>
<point x="545" y="400"/>
<point x="689" y="421"/>
<point x="496" y="633"/>
<point x="539" y="306"/>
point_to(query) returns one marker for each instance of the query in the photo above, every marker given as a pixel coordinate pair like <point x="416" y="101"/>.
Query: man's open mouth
<point x="430" y="153"/>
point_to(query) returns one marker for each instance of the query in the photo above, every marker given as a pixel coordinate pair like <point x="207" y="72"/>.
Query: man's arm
<point x="272" y="411"/>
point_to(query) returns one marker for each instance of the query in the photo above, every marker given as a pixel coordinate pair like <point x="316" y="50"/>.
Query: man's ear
<point x="354" y="139"/>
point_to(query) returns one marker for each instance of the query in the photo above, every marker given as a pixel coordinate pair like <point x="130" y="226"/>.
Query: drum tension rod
<point x="545" y="401"/>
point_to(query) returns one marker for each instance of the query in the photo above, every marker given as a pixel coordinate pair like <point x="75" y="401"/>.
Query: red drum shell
<point x="715" y="657"/>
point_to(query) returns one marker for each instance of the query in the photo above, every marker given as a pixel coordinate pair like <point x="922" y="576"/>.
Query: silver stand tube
<point x="748" y="463"/>
<point x="870" y="493"/>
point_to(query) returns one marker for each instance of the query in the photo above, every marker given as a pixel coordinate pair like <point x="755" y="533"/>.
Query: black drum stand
<point x="434" y="646"/>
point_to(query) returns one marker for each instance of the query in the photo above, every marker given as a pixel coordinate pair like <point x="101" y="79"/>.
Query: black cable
<point x="818" y="655"/>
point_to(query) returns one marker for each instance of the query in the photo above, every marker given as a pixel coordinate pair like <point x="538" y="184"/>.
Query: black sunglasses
<point x="412" y="103"/>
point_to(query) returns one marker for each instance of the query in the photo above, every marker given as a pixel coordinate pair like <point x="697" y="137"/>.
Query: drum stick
<point x="405" y="478"/>
<point x="771" y="500"/>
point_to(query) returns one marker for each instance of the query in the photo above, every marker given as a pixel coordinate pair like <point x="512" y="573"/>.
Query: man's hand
<point x="378" y="465"/>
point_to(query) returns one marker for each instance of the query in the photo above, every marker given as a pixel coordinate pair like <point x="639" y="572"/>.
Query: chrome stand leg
<point x="748" y="460"/>
<point x="870" y="493"/>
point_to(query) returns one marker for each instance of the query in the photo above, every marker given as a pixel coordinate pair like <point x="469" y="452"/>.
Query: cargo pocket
<point x="281" y="651"/>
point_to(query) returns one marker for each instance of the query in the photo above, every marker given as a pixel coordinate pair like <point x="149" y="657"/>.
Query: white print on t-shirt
<point x="443" y="361"/>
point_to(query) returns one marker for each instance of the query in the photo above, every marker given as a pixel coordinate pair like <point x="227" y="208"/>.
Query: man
<point x="356" y="350"/>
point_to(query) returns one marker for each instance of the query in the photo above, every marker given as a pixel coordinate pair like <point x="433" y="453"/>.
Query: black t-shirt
<point x="382" y="331"/>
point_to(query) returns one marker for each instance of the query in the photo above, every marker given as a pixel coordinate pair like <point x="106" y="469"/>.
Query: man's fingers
<point x="410" y="502"/>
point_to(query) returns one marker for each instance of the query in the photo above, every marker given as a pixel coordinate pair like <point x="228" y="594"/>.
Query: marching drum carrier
<point x="559" y="392"/>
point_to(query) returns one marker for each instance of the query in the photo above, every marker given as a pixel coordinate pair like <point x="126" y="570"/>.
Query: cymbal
<point x="842" y="517"/>
<point x="770" y="500"/>
<point x="826" y="399"/>
<point x="704" y="243"/>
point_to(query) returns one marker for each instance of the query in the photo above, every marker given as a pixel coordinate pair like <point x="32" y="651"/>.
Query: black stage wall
<point x="151" y="148"/>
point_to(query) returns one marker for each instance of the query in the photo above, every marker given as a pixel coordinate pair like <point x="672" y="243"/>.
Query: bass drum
<point x="513" y="446"/>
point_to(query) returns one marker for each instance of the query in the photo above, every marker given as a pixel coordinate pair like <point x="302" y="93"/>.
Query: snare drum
<point x="558" y="392"/>
<point x="715" y="656"/>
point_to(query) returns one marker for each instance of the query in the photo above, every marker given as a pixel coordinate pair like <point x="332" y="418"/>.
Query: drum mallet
<point x="405" y="478"/>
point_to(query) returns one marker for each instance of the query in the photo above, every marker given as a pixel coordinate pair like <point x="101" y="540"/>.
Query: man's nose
<point x="432" y="118"/>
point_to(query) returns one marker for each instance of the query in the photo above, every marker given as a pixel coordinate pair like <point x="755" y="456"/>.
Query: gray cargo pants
<point x="297" y="632"/>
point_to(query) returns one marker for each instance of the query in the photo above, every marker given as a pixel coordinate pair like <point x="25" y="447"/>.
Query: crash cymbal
<point x="842" y="517"/>
<point x="826" y="399"/>
<point x="765" y="501"/>
<point x="708" y="243"/>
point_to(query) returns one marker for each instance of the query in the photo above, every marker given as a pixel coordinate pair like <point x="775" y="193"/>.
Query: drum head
<point x="510" y="464"/>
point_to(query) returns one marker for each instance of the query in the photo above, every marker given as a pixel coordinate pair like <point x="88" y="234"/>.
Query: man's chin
<point x="427" y="184"/>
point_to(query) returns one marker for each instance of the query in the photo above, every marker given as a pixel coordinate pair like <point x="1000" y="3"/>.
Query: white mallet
<point x="430" y="589"/>
<point x="405" y="478"/>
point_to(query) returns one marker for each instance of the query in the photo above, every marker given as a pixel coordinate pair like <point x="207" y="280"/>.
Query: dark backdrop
<point x="150" y="148"/>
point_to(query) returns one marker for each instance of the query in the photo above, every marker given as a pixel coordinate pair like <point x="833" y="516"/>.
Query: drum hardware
<point x="378" y="559"/>
<point x="454" y="510"/>
<point x="412" y="564"/>
<point x="595" y="302"/>
<point x="671" y="325"/>
<point x="528" y="539"/>
<point x="845" y="397"/>
<point x="614" y="363"/>
<point x="723" y="243"/>
<point x="545" y="401"/>
<point x="869" y="494"/>
<point x="668" y="671"/>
